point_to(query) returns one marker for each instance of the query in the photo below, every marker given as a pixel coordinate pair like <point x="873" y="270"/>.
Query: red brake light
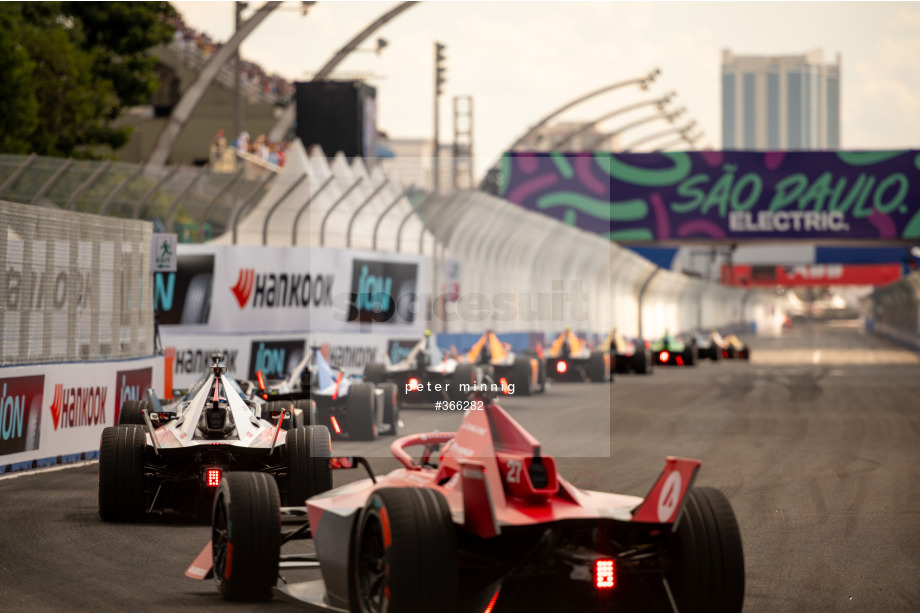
<point x="212" y="478"/>
<point x="335" y="424"/>
<point x="680" y="361"/>
<point x="724" y="353"/>
<point x="492" y="601"/>
<point x="413" y="384"/>
<point x="664" y="356"/>
<point x="561" y="367"/>
<point x="338" y="382"/>
<point x="604" y="573"/>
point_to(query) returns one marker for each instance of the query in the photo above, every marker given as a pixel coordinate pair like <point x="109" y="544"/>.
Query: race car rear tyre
<point x="715" y="352"/>
<point x="598" y="367"/>
<point x="744" y="354"/>
<point x="307" y="414"/>
<point x="390" y="407"/>
<point x="309" y="449"/>
<point x="122" y="453"/>
<point x="246" y="536"/>
<point x="362" y="415"/>
<point x="464" y="374"/>
<point x="522" y="376"/>
<point x="406" y="553"/>
<point x="708" y="571"/>
<point x="689" y="356"/>
<point x="641" y="362"/>
<point x="131" y="412"/>
<point x="375" y="372"/>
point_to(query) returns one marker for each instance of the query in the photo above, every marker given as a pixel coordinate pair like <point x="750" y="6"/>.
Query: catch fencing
<point x="75" y="287"/>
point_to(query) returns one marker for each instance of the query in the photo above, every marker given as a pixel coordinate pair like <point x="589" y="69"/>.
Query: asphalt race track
<point x="816" y="442"/>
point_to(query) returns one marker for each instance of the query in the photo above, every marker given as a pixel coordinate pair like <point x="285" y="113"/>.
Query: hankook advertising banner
<point x="47" y="411"/>
<point x="251" y="289"/>
<point x="715" y="196"/>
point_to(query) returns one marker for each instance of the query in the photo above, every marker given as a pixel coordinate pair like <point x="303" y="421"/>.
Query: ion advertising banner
<point x="715" y="195"/>
<point x="252" y="289"/>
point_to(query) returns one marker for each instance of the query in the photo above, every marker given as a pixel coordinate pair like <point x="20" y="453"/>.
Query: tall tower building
<point x="780" y="102"/>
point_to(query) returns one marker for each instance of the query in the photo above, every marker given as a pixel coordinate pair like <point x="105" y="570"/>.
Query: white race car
<point x="173" y="462"/>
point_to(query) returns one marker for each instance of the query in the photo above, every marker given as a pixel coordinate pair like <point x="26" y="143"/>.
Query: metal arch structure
<point x="670" y="117"/>
<point x="642" y="82"/>
<point x="306" y="204"/>
<point x="166" y="140"/>
<point x="286" y="120"/>
<point x="277" y="203"/>
<point x="683" y="130"/>
<point x="383" y="214"/>
<point x="566" y="139"/>
<point x="342" y="197"/>
<point x="367" y="201"/>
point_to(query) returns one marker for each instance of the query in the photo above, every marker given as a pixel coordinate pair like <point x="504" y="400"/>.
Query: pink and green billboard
<point x="723" y="196"/>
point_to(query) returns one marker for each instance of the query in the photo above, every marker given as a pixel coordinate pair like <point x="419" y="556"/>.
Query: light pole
<point x="642" y="82"/>
<point x="439" y="81"/>
<point x="567" y="138"/>
<point x="683" y="130"/>
<point x="670" y="117"/>
<point x="238" y="74"/>
<point x="286" y="120"/>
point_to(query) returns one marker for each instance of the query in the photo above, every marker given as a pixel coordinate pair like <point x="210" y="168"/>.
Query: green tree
<point x="71" y="68"/>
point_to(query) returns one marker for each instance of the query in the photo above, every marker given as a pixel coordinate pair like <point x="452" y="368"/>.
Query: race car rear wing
<point x="664" y="502"/>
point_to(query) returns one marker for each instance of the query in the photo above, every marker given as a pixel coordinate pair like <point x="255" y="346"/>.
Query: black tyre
<point x="390" y="407"/>
<point x="362" y="415"/>
<point x="541" y="378"/>
<point x="406" y="553"/>
<point x="246" y="536"/>
<point x="598" y="368"/>
<point x="522" y="376"/>
<point x="715" y="352"/>
<point x="306" y="414"/>
<point x="708" y="572"/>
<point x="621" y="363"/>
<point x="464" y="374"/>
<point x="131" y="412"/>
<point x="689" y="356"/>
<point x="641" y="362"/>
<point x="308" y="451"/>
<point x="375" y="372"/>
<point x="122" y="453"/>
<point x="745" y="354"/>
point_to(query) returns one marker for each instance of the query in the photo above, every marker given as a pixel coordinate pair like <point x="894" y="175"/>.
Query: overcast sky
<point x="520" y="60"/>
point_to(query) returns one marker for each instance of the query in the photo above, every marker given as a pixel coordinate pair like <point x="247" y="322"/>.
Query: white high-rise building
<point x="780" y="102"/>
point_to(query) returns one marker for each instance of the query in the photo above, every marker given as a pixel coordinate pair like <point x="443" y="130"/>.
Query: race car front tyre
<point x="715" y="352"/>
<point x="464" y="375"/>
<point x="362" y="416"/>
<point x="122" y="453"/>
<point x="598" y="367"/>
<point x="246" y="536"/>
<point x="390" y="407"/>
<point x="708" y="561"/>
<point x="522" y="376"/>
<point x="308" y="451"/>
<point x="375" y="372"/>
<point x="131" y="412"/>
<point x="406" y="554"/>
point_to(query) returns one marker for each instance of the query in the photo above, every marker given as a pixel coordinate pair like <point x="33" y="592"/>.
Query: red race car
<point x="482" y="522"/>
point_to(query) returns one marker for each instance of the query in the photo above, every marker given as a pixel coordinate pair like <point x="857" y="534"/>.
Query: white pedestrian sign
<point x="163" y="253"/>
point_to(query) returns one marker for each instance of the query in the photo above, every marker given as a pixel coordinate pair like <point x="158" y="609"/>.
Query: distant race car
<point x="426" y="375"/>
<point x="736" y="348"/>
<point x="709" y="345"/>
<point x="572" y="359"/>
<point x="360" y="410"/>
<point x="671" y="350"/>
<point x="628" y="354"/>
<point x="514" y="374"/>
<point x="174" y="460"/>
<point x="482" y="522"/>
